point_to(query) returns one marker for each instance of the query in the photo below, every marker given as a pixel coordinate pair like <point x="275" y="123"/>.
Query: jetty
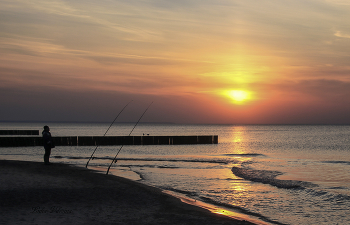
<point x="22" y="141"/>
<point x="19" y="132"/>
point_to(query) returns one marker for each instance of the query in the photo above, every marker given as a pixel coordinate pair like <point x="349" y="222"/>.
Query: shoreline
<point x="33" y="193"/>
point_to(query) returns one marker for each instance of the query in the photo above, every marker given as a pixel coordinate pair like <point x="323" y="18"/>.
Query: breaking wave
<point x="193" y="160"/>
<point x="269" y="177"/>
<point x="338" y="162"/>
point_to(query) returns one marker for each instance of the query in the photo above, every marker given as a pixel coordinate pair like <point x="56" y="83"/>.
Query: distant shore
<point x="33" y="193"/>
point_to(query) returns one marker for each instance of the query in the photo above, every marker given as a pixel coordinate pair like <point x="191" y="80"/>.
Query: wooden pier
<point x="19" y="132"/>
<point x="110" y="140"/>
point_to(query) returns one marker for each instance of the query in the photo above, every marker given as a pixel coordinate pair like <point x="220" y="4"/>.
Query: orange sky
<point x="84" y="60"/>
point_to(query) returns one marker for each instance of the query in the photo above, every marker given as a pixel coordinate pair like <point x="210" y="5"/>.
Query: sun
<point x="238" y="96"/>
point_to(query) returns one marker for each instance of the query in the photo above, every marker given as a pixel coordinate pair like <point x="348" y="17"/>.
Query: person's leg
<point x="47" y="155"/>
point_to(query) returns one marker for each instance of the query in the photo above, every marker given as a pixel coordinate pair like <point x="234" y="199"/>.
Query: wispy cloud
<point x="57" y="7"/>
<point x="339" y="2"/>
<point x="35" y="46"/>
<point x="342" y="34"/>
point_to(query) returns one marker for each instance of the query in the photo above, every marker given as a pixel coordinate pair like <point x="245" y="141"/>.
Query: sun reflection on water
<point x="217" y="210"/>
<point x="238" y="138"/>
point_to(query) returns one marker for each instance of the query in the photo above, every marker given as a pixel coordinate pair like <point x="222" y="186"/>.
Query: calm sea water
<point x="282" y="174"/>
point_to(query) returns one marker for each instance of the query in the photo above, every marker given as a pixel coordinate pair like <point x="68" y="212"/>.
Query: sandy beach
<point x="34" y="193"/>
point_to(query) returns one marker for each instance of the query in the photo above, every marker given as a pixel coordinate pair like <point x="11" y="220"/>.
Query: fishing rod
<point x="115" y="157"/>
<point x="106" y="132"/>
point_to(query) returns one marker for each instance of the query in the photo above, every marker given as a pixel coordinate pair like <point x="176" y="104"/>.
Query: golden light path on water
<point x="217" y="210"/>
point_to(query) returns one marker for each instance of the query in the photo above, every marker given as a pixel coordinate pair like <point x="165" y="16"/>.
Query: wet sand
<point x="34" y="193"/>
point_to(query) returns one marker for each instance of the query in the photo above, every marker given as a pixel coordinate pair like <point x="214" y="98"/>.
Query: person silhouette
<point x="48" y="144"/>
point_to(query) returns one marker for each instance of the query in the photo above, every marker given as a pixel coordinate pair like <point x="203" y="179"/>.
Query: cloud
<point x="342" y="34"/>
<point x="56" y="7"/>
<point x="339" y="2"/>
<point x="35" y="46"/>
<point x="328" y="91"/>
<point x="325" y="89"/>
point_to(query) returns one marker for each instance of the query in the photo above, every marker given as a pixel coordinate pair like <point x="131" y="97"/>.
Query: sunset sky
<point x="199" y="61"/>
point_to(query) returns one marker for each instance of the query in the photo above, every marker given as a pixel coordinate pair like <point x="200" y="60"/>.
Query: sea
<point x="280" y="174"/>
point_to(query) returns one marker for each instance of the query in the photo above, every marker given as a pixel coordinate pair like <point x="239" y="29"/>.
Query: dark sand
<point x="33" y="193"/>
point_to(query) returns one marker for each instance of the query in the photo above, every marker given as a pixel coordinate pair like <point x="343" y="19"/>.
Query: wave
<point x="187" y="193"/>
<point x="219" y="161"/>
<point x="245" y="155"/>
<point x="149" y="166"/>
<point x="337" y="162"/>
<point x="194" y="195"/>
<point x="239" y="209"/>
<point x="16" y="154"/>
<point x="269" y="177"/>
<point x="168" y="167"/>
<point x="336" y="198"/>
<point x="216" y="161"/>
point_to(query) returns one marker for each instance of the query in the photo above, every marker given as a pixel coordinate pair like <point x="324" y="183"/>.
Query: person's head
<point x="46" y="128"/>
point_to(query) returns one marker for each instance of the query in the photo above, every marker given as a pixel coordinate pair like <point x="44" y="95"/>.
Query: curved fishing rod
<point x="106" y="132"/>
<point x="114" y="159"/>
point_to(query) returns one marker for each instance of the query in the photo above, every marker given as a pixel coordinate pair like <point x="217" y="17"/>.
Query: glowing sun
<point x="238" y="96"/>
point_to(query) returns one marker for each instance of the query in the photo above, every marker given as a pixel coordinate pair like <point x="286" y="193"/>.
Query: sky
<point x="198" y="61"/>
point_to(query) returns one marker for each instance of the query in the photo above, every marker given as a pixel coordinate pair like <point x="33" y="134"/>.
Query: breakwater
<point x="19" y="132"/>
<point x="110" y="140"/>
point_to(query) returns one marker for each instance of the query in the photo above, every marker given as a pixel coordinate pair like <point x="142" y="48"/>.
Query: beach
<point x="34" y="193"/>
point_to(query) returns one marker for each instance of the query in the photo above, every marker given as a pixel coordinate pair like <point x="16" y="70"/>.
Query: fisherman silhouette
<point x="48" y="144"/>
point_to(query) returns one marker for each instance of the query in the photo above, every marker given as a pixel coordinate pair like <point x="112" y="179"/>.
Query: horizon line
<point x="178" y="123"/>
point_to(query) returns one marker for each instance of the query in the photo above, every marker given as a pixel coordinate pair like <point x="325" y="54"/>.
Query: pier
<point x="109" y="140"/>
<point x="19" y="132"/>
